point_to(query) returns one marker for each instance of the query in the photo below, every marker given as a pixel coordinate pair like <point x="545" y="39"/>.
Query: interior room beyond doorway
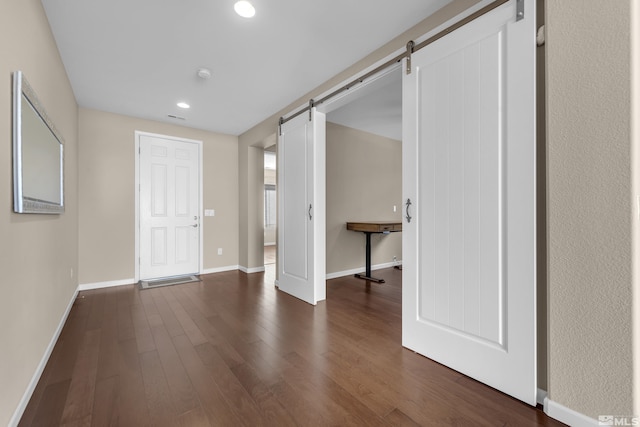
<point x="270" y="203"/>
<point x="364" y="178"/>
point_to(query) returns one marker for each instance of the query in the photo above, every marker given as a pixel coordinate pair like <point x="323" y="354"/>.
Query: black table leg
<point x="367" y="275"/>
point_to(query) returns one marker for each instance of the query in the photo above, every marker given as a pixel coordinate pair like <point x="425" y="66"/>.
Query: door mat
<point x="167" y="281"/>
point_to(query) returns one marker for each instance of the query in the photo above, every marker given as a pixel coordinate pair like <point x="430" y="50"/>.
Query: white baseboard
<point x="220" y="269"/>
<point x="15" y="419"/>
<point x="251" y="270"/>
<point x="269" y="243"/>
<point x="361" y="269"/>
<point x="107" y="284"/>
<point x="566" y="415"/>
<point x="541" y="396"/>
<point x="111" y="283"/>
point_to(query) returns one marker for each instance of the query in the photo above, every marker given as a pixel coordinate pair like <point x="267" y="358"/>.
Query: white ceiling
<point x="140" y="57"/>
<point x="379" y="112"/>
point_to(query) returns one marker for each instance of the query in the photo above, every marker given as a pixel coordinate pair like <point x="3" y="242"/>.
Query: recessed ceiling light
<point x="183" y="105"/>
<point x="244" y="9"/>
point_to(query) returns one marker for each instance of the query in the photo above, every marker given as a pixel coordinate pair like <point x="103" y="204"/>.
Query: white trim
<point x="107" y="284"/>
<point x="122" y="282"/>
<point x="269" y="243"/>
<point x="251" y="270"/>
<point x="22" y="405"/>
<point x="136" y="146"/>
<point x="361" y="269"/>
<point x="541" y="396"/>
<point x="220" y="269"/>
<point x="566" y="415"/>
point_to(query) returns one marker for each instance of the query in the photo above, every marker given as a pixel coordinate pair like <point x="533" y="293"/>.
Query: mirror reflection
<point x="38" y="155"/>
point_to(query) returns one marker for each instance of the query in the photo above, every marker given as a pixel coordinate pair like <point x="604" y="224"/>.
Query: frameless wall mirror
<point x="38" y="154"/>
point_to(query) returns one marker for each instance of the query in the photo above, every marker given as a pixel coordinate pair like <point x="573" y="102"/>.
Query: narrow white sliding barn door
<point x="469" y="183"/>
<point x="301" y="207"/>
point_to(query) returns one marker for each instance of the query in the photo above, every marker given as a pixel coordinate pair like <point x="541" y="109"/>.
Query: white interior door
<point x="301" y="207"/>
<point x="469" y="172"/>
<point x="169" y="207"/>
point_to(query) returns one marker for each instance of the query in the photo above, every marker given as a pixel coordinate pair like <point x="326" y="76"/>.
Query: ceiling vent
<point x="204" y="73"/>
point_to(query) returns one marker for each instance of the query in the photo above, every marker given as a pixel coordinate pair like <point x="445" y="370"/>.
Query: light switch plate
<point x="209" y="212"/>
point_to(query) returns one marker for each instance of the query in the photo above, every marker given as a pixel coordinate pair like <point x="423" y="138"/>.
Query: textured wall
<point x="37" y="252"/>
<point x="635" y="153"/>
<point x="364" y="181"/>
<point x="107" y="198"/>
<point x="589" y="205"/>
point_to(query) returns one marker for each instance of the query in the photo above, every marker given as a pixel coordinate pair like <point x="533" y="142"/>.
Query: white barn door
<point x="301" y="207"/>
<point x="169" y="207"/>
<point x="469" y="174"/>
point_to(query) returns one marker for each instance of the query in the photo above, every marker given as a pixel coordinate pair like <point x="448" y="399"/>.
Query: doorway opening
<point x="270" y="207"/>
<point x="364" y="179"/>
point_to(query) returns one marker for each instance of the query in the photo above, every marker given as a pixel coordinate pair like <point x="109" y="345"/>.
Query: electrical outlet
<point x="219" y="251"/>
<point x="71" y="272"/>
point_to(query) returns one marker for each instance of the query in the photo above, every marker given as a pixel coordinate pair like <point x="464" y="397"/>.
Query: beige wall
<point x="106" y="192"/>
<point x="589" y="206"/>
<point x="364" y="182"/>
<point x="635" y="162"/>
<point x="251" y="193"/>
<point x="37" y="252"/>
<point x="255" y="221"/>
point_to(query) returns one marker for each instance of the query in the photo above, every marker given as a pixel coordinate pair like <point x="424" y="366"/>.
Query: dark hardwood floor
<point x="232" y="350"/>
<point x="270" y="254"/>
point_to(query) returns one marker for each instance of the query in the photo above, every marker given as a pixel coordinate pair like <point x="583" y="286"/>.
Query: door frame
<point x="136" y="190"/>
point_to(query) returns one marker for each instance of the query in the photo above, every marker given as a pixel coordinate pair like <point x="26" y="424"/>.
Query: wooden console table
<point x="383" y="227"/>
